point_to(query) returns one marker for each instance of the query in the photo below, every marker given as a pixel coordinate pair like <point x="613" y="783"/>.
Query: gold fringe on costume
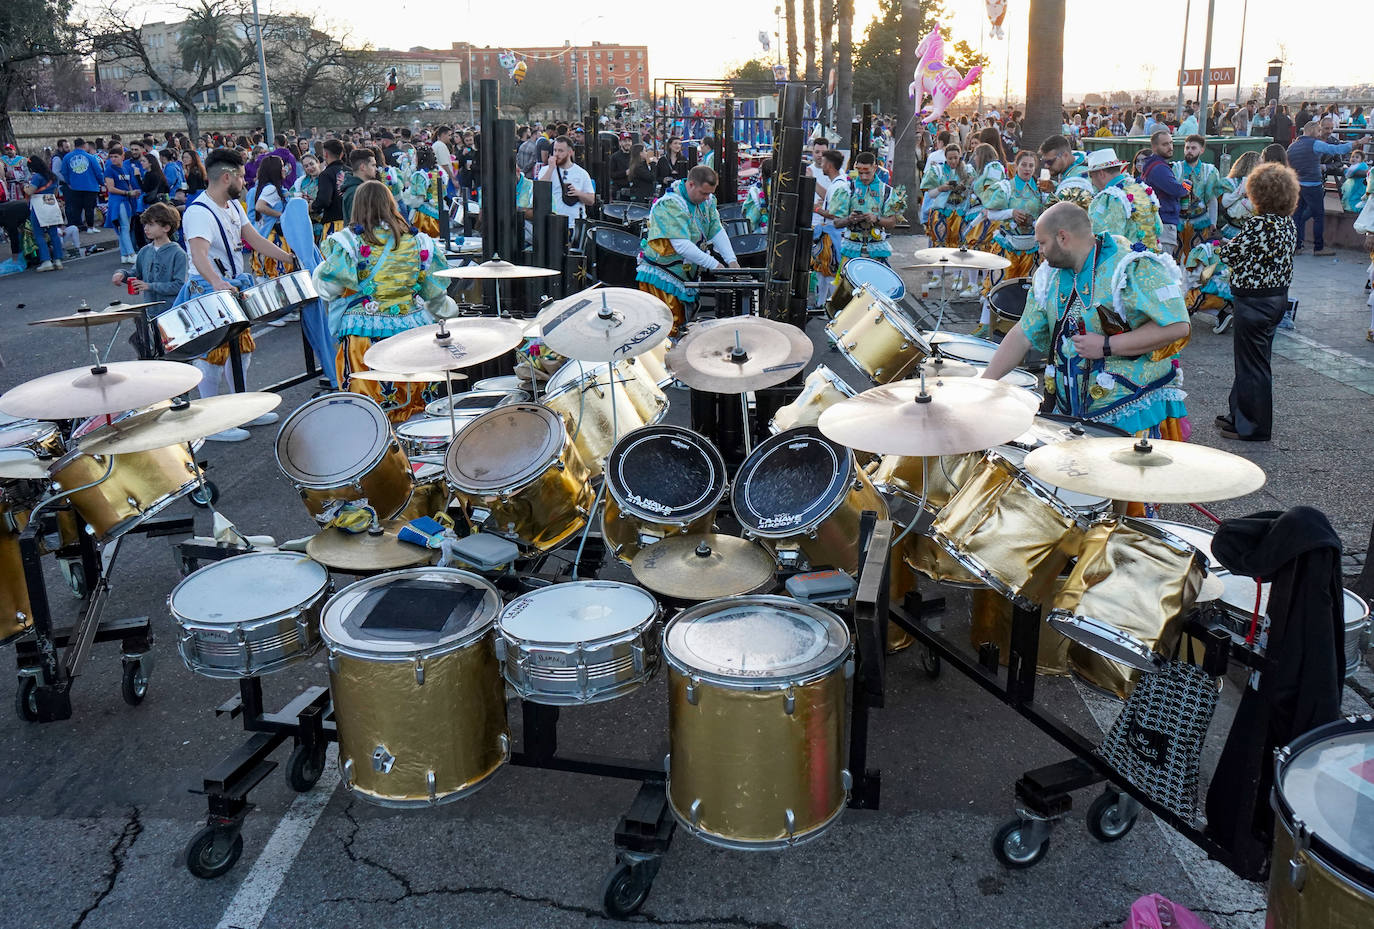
<point x="270" y="267"/>
<point x="674" y="304"/>
<point x="331" y="227"/>
<point x="401" y="401"/>
<point x="218" y="356"/>
<point x="944" y="229"/>
<point x="422" y="221"/>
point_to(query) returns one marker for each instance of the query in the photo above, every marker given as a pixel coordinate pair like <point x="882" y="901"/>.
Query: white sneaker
<point x="230" y="435"/>
<point x="45" y="266"/>
<point x="57" y="265"/>
<point x="128" y="259"/>
<point x="266" y="419"/>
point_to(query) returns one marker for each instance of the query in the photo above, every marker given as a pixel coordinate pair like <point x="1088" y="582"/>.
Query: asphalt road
<point x="94" y="812"/>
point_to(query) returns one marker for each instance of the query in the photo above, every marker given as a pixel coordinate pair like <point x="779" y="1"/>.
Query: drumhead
<point x="748" y="641"/>
<point x="506" y="382"/>
<point x="791" y="482"/>
<point x="665" y="473"/>
<point x="577" y="611"/>
<point x="428" y="428"/>
<point x="410" y="613"/>
<point x="1196" y="536"/>
<point x="1325" y="779"/>
<point x="1008" y="298"/>
<point x="248" y="587"/>
<point x="504" y="448"/>
<point x="1049" y="429"/>
<point x="620" y="241"/>
<point x="962" y="347"/>
<point x="1079" y="501"/>
<point x="883" y="280"/>
<point x="332" y="439"/>
<point x="27" y="434"/>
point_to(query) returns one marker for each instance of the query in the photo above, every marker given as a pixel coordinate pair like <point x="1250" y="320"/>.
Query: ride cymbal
<point x="444" y="346"/>
<point x="496" y="269"/>
<point x="703" y="566"/>
<point x="109" y="388"/>
<point x="176" y="422"/>
<point x="375" y="550"/>
<point x="945" y="417"/>
<point x="1155" y="470"/>
<point x="85" y="316"/>
<point x="604" y="324"/>
<point x="739" y="354"/>
<point x="957" y="259"/>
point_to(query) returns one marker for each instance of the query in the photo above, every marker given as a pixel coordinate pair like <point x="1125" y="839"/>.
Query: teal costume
<point x="675" y="216"/>
<point x="874" y="197"/>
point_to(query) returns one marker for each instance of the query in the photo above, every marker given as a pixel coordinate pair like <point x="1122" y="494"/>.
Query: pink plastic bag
<point x="1156" y="912"/>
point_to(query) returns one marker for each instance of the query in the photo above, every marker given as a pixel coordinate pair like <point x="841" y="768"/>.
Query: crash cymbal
<point x="1154" y="470"/>
<point x="496" y="269"/>
<point x="946" y="417"/>
<point x="176" y="421"/>
<point x="109" y="388"/>
<point x="376" y="550"/>
<point x="414" y="377"/>
<point x="444" y="346"/>
<point x="703" y="566"/>
<point x="738" y="354"/>
<point x="85" y="316"/>
<point x="22" y="464"/>
<point x="957" y="259"/>
<point x="605" y="324"/>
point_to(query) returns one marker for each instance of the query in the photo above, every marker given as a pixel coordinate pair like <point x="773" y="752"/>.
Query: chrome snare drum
<point x="418" y="698"/>
<point x="277" y="296"/>
<point x="579" y="642"/>
<point x="428" y="437"/>
<point x="660" y="481"/>
<point x="340" y="446"/>
<point x="248" y="615"/>
<point x="756" y="720"/>
<point x="190" y="329"/>
<point x="822" y="390"/>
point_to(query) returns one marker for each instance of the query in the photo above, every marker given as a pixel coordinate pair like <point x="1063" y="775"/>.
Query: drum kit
<point x="495" y="270"/>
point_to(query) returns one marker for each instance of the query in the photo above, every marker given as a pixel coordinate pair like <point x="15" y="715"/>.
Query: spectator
<point x="1304" y="156"/>
<point x="639" y="176"/>
<point x="123" y="192"/>
<point x="1189" y="125"/>
<point x="672" y="166"/>
<point x="1304" y="116"/>
<point x="1275" y="154"/>
<point x="194" y="170"/>
<point x="45" y="213"/>
<point x="1157" y="173"/>
<point x="290" y="164"/>
<point x="85" y="175"/>
<point x="175" y="174"/>
<point x="159" y="269"/>
<point x="362" y="162"/>
<point x="620" y="166"/>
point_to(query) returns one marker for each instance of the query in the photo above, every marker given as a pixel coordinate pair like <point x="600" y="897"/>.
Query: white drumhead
<point x="332" y="439"/>
<point x="248" y="587"/>
<point x="505" y="447"/>
<point x="755" y="640"/>
<point x="414" y="612"/>
<point x="1196" y="536"/>
<point x="1329" y="785"/>
<point x="574" y="372"/>
<point x="577" y="611"/>
<point x="427" y="428"/>
<point x="1073" y="498"/>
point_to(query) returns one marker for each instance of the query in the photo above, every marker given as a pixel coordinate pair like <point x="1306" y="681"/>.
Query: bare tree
<point x="31" y="31"/>
<point x="809" y="37"/>
<point x="844" y="79"/>
<point x="302" y="54"/>
<point x="357" y="84"/>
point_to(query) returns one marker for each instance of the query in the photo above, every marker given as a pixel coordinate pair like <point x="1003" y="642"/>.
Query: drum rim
<point x="626" y="634"/>
<point x="711" y="500"/>
<point x="297" y="560"/>
<point x="334" y="396"/>
<point x="43" y="435"/>
<point x="1339" y="863"/>
<point x="618" y="230"/>
<point x="750" y="465"/>
<point x="526" y="475"/>
<point x="856" y="285"/>
<point x="495" y="391"/>
<point x="1065" y="621"/>
<point x="825" y="667"/>
<point x="471" y="634"/>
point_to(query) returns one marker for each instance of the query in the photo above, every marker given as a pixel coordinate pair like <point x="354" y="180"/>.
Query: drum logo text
<point x="652" y="505"/>
<point x="779" y="521"/>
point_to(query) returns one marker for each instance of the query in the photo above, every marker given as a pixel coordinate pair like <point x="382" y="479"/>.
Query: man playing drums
<point x="682" y="222"/>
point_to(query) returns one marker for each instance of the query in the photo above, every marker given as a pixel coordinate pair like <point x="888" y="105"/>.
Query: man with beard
<point x="573" y="190"/>
<point x="1201" y="181"/>
<point x="1157" y="174"/>
<point x="327" y="208"/>
<point x="1109" y="334"/>
<point x="620" y="166"/>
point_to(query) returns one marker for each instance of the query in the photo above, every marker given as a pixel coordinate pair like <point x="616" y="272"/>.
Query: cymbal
<point x="86" y="316"/>
<point x="496" y="269"/>
<point x="946" y="367"/>
<point x="949" y="418"/>
<point x="109" y="388"/>
<point x="605" y="324"/>
<point x="414" y="377"/>
<point x="22" y="464"/>
<point x="739" y="354"/>
<point x="172" y="423"/>
<point x="969" y="259"/>
<point x="1156" y="470"/>
<point x="444" y="346"/>
<point x="703" y="566"/>
<point x="367" y="552"/>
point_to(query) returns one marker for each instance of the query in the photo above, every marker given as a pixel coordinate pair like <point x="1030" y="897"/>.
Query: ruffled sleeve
<point x="337" y="274"/>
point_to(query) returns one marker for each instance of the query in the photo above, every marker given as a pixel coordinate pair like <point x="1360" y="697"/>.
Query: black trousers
<point x="81" y="208"/>
<point x="1252" y="391"/>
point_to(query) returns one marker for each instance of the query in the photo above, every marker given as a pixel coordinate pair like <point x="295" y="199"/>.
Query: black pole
<point x="486" y="167"/>
<point x="727" y="165"/>
<point x="498" y="149"/>
<point x="866" y="129"/>
<point x="783" y="216"/>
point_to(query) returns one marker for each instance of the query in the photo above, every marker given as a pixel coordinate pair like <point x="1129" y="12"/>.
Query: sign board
<point x="1192" y="77"/>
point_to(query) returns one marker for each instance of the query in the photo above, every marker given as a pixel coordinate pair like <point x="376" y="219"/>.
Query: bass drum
<point x="661" y="481"/>
<point x="615" y="253"/>
<point x="1008" y="299"/>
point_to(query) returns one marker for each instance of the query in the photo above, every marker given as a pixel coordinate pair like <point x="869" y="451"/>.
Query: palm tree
<point x="791" y="14"/>
<point x="208" y="42"/>
<point x="1044" y="72"/>
<point x="809" y="37"/>
<point x="844" y="76"/>
<point x="827" y="53"/>
<point x="904" y="156"/>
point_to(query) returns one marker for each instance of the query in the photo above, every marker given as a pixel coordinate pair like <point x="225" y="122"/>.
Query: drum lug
<point x="851" y="345"/>
<point x="503" y="742"/>
<point x="1297" y="868"/>
<point x="500" y="646"/>
<point x="333" y="662"/>
<point x="789" y="701"/>
<point x="560" y="465"/>
<point x="668" y="763"/>
<point x="692" y="696"/>
<point x="846" y="780"/>
<point x="348" y="773"/>
<point x="791" y="820"/>
<point x="432" y="781"/>
<point x="848" y="668"/>
<point x="694" y="812"/>
<point x="637" y="657"/>
<point x="419" y="672"/>
<point x="382" y="760"/>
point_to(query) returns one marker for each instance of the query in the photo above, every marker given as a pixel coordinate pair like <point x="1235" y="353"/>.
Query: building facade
<point x="595" y="65"/>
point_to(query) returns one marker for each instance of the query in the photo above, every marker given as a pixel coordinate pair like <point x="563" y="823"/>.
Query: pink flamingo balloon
<point x="932" y="76"/>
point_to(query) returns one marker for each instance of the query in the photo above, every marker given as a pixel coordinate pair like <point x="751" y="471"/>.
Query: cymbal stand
<point x="604" y="313"/>
<point x="739" y="356"/>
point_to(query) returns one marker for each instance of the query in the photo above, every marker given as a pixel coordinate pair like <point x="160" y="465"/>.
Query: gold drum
<point x="139" y="485"/>
<point x="756" y="720"/>
<point x="430" y="494"/>
<point x="883" y="343"/>
<point x="582" y="395"/>
<point x="340" y="447"/>
<point x="990" y="622"/>
<point x="517" y="473"/>
<point x="822" y="390"/>
<point x="15" y="613"/>
<point x="860" y="274"/>
<point x="855" y="305"/>
<point x="660" y="481"/>
<point x="417" y="691"/>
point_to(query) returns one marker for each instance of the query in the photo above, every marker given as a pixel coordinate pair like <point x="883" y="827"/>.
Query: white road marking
<point x="1313" y="343"/>
<point x="255" y="895"/>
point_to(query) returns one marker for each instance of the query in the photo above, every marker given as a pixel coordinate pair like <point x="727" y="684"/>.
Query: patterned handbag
<point x="1156" y="742"/>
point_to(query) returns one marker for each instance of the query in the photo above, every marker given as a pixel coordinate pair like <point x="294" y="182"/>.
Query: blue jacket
<point x="1158" y="174"/>
<point x="82" y="170"/>
<point x="1304" y="157"/>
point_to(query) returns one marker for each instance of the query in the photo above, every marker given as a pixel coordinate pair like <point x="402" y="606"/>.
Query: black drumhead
<point x="791" y="482"/>
<point x="619" y="241"/>
<point x="751" y="248"/>
<point x="665" y="473"/>
<point x="1008" y="299"/>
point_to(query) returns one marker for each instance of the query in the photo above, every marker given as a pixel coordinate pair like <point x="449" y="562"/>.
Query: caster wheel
<point x="1009" y="848"/>
<point x="26" y="699"/>
<point x="1105" y="820"/>
<point x="211" y="853"/>
<point x="625" y="892"/>
<point x="304" y="768"/>
<point x="205" y="495"/>
<point x="134" y="685"/>
<point x="75" y="576"/>
<point x="930" y="662"/>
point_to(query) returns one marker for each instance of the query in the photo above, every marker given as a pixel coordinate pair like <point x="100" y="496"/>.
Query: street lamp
<point x="262" y="77"/>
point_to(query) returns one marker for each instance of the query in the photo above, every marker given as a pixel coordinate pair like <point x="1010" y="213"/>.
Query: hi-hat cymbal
<point x="948" y="417"/>
<point x="496" y="269"/>
<point x="367" y="552"/>
<point x="109" y="388"/>
<point x="444" y="346"/>
<point x="1154" y="470"/>
<point x="85" y="316"/>
<point x="173" y="422"/>
<point x="413" y="377"/>
<point x="957" y="259"/>
<point x="738" y="354"/>
<point x="703" y="566"/>
<point x="605" y="324"/>
<point x="22" y="464"/>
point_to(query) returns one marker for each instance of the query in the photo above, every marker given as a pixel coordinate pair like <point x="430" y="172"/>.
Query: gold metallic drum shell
<point x="623" y="531"/>
<point x="544" y="511"/>
<point x="991" y="622"/>
<point x="16" y="616"/>
<point x="882" y="344"/>
<point x="1327" y="899"/>
<point x="834" y="541"/>
<point x="387" y="486"/>
<point x="150" y="479"/>
<point x="586" y="408"/>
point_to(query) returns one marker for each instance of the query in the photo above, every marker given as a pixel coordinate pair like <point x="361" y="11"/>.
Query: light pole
<point x="1183" y="58"/>
<point x="262" y="76"/>
<point x="1240" y="58"/>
